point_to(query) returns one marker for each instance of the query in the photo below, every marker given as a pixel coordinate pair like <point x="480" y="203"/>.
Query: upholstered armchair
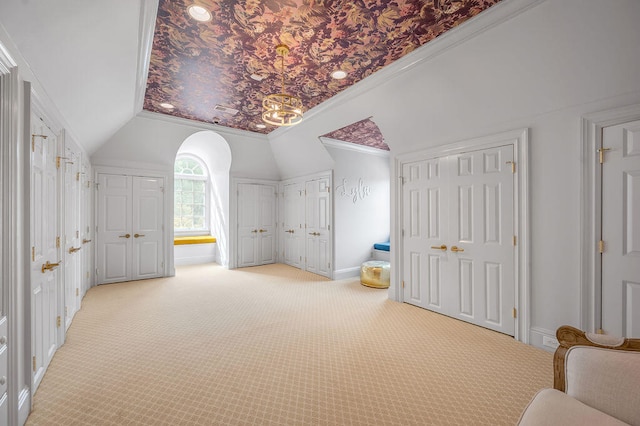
<point x="596" y="382"/>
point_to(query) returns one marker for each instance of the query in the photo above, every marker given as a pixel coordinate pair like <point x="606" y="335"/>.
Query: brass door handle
<point x="254" y="231"/>
<point x="262" y="230"/>
<point x="456" y="249"/>
<point x="291" y="231"/>
<point x="125" y="236"/>
<point x="138" y="235"/>
<point x="85" y="241"/>
<point x="74" y="249"/>
<point x="49" y="266"/>
<point x="314" y="233"/>
<point x="442" y="247"/>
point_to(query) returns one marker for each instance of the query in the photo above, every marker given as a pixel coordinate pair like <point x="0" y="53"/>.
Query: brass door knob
<point x="85" y="241"/>
<point x="74" y="249"/>
<point x="442" y="247"/>
<point x="254" y="231"/>
<point x="262" y="230"/>
<point x="125" y="236"/>
<point x="138" y="235"/>
<point x="456" y="249"/>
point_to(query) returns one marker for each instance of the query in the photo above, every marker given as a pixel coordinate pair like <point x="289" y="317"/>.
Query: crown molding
<point x="222" y="130"/>
<point x="350" y="146"/>
<point x="490" y="18"/>
<point x="148" y="14"/>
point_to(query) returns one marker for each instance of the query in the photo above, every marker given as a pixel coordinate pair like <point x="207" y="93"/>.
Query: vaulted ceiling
<point x="208" y="70"/>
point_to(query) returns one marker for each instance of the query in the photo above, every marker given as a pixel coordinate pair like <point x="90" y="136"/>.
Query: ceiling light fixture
<point x="281" y="109"/>
<point x="167" y="105"/>
<point x="199" y="13"/>
<point x="339" y="74"/>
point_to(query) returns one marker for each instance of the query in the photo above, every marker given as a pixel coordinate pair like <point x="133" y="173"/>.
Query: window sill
<point x="200" y="239"/>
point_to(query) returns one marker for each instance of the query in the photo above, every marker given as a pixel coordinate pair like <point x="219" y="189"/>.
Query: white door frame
<point x="233" y="215"/>
<point x="520" y="141"/>
<point x="591" y="216"/>
<point x="169" y="269"/>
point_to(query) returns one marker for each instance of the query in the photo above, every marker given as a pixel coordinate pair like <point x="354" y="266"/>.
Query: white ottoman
<point x="375" y="273"/>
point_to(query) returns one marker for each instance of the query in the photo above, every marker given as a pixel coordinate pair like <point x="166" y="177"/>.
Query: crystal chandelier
<point x="281" y="109"/>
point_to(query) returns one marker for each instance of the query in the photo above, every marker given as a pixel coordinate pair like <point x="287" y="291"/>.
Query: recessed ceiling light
<point x="166" y="105"/>
<point x="199" y="13"/>
<point x="261" y="126"/>
<point x="339" y="74"/>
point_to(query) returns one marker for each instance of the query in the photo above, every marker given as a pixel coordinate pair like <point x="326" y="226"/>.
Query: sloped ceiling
<point x="364" y="132"/>
<point x="84" y="56"/>
<point x="198" y="65"/>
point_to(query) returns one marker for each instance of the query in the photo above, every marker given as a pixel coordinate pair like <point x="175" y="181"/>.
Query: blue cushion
<point x="382" y="246"/>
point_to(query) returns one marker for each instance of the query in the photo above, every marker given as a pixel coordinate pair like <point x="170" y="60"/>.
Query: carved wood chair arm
<point x="570" y="336"/>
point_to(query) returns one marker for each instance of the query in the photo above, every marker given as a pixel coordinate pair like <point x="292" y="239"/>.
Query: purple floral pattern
<point x="364" y="132"/>
<point x="198" y="65"/>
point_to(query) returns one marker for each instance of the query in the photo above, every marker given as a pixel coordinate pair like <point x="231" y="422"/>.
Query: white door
<point x="114" y="228"/>
<point x="292" y="225"/>
<point x="72" y="246"/>
<point x="85" y="229"/>
<point x="256" y="224"/>
<point x="130" y="228"/>
<point x="45" y="253"/>
<point x="481" y="224"/>
<point x="318" y="226"/>
<point x="147" y="230"/>
<point x="425" y="230"/>
<point x="458" y="225"/>
<point x="621" y="230"/>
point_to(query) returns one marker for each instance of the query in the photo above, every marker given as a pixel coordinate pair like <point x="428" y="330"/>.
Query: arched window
<point x="191" y="196"/>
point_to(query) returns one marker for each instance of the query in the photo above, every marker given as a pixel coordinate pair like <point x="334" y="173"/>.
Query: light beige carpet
<point x="273" y="345"/>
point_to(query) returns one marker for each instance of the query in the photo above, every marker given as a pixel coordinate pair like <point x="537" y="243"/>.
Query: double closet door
<point x="458" y="236"/>
<point x="130" y="230"/>
<point x="306" y="225"/>
<point x="256" y="224"/>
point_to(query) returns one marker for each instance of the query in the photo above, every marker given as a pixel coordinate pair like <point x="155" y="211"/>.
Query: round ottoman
<point x="375" y="273"/>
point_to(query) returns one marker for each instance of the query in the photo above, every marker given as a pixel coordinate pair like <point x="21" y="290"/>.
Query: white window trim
<point x="207" y="196"/>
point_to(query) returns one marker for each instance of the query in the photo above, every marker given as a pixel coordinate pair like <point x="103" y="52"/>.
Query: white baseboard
<point x="543" y="339"/>
<point x="341" y="274"/>
<point x="24" y="406"/>
<point x="196" y="260"/>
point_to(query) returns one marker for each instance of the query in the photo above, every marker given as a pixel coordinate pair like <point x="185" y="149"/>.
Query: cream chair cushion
<point x="550" y="407"/>
<point x="607" y="380"/>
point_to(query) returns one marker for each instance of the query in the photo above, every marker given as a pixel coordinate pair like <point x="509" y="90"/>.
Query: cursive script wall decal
<point x="356" y="193"/>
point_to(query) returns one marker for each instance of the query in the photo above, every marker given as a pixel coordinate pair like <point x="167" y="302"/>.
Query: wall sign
<point x="358" y="192"/>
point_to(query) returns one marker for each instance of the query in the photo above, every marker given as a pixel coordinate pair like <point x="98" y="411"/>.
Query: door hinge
<point x="329" y="228"/>
<point x="162" y="265"/>
<point x="601" y="151"/>
<point x="402" y="284"/>
<point x="33" y="254"/>
<point x="514" y="313"/>
<point x="57" y="242"/>
<point x="97" y="271"/>
<point x="77" y="291"/>
<point x="329" y="265"/>
<point x="601" y="246"/>
<point x="514" y="240"/>
<point x="58" y="321"/>
<point x="403" y="232"/>
<point x="33" y="142"/>
<point x="77" y="176"/>
<point x="513" y="166"/>
<point x="87" y="274"/>
<point x="66" y="312"/>
<point x="97" y="186"/>
<point x="34" y="363"/>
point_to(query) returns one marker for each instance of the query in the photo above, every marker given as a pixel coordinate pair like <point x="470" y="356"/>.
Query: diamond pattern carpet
<point x="273" y="345"/>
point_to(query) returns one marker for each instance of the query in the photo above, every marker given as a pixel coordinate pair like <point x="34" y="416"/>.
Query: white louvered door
<point x="458" y="225"/>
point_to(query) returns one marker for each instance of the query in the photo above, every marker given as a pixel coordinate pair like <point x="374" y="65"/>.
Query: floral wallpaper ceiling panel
<point x="364" y="132"/>
<point x="196" y="66"/>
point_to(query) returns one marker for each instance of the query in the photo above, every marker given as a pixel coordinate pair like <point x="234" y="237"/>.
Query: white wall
<point x="361" y="212"/>
<point x="150" y="139"/>
<point x="542" y="69"/>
